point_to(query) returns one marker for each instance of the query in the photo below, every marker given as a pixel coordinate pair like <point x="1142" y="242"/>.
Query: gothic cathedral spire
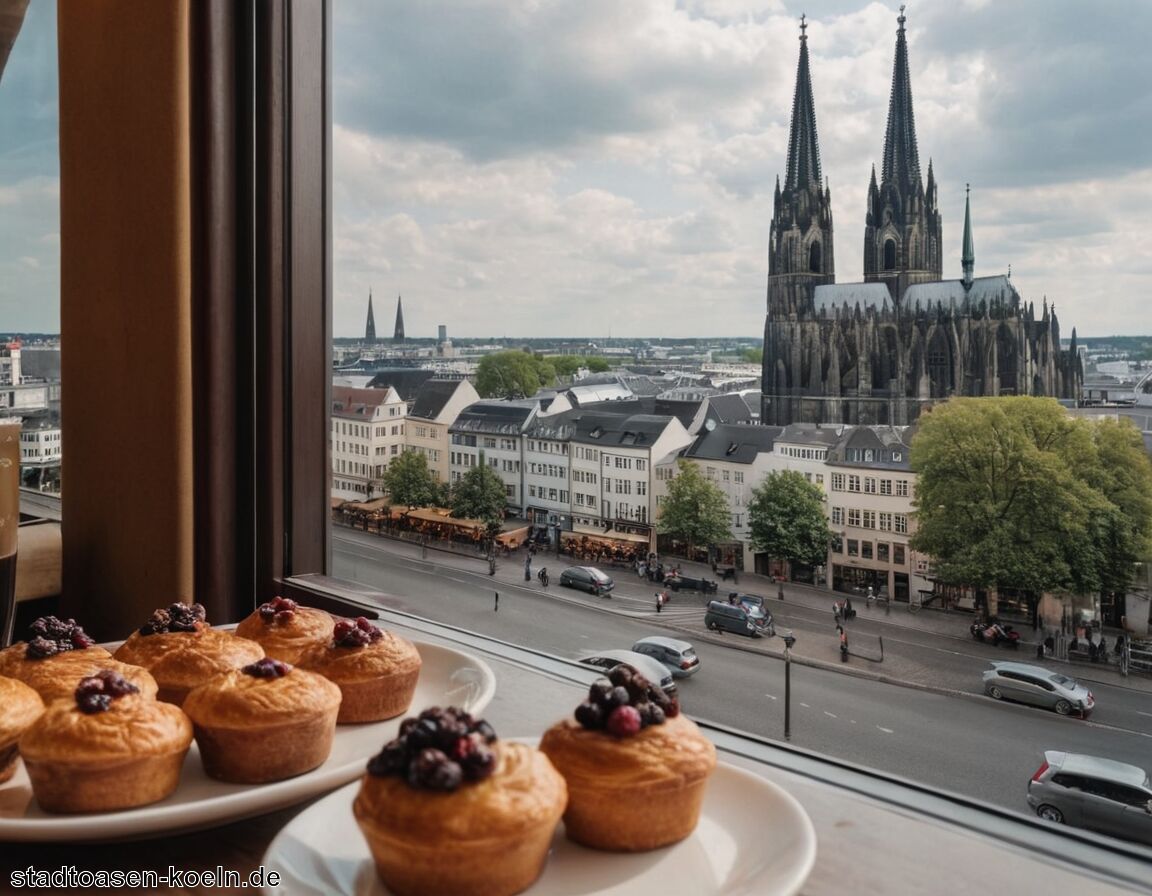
<point x="800" y="256"/>
<point x="398" y="333"/>
<point x="968" y="256"/>
<point x="902" y="235"/>
<point x="370" y="327"/>
<point x="800" y="242"/>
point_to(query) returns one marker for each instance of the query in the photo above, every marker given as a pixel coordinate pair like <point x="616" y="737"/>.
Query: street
<point x="944" y="733"/>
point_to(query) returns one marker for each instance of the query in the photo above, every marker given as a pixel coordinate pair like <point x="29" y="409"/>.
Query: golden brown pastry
<point x="110" y="747"/>
<point x="265" y="722"/>
<point x="636" y="769"/>
<point x="58" y="654"/>
<point x="375" y="670"/>
<point x="287" y="630"/>
<point x="182" y="650"/>
<point x="20" y="706"/>
<point x="447" y="809"/>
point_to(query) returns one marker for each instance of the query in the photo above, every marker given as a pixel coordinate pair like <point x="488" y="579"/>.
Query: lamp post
<point x="789" y="639"/>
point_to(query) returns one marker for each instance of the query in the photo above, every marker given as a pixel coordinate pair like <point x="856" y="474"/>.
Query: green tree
<point x="753" y="355"/>
<point x="512" y="374"/>
<point x="408" y="480"/>
<point x="1014" y="492"/>
<point x="596" y="364"/>
<point x="696" y="510"/>
<point x="566" y="365"/>
<point x="479" y="494"/>
<point x="786" y="519"/>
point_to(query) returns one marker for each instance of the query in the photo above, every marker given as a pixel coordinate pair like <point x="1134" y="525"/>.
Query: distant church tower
<point x="398" y="333"/>
<point x="370" y="327"/>
<point x="902" y="233"/>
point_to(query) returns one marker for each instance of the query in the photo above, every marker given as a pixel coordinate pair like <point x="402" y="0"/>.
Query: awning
<point x="627" y="536"/>
<point x="368" y="506"/>
<point x="443" y="517"/>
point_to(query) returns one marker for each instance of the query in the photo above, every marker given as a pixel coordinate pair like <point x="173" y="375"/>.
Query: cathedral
<point x="881" y="351"/>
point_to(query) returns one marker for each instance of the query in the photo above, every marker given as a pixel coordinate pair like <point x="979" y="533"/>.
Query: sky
<point x="519" y="168"/>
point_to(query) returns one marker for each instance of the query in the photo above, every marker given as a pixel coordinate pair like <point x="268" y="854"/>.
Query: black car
<point x="587" y="578"/>
<point x="757" y="609"/>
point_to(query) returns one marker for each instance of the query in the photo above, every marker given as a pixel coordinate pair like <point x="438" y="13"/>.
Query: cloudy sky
<point x="605" y="167"/>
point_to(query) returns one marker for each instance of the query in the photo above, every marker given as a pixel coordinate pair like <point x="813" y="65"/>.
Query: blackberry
<point x="479" y="764"/>
<point x="90" y="704"/>
<point x="600" y="690"/>
<point x="49" y="636"/>
<point x="41" y="648"/>
<point x="438" y="750"/>
<point x="96" y="692"/>
<point x="590" y="715"/>
<point x="267" y="668"/>
<point x="391" y="760"/>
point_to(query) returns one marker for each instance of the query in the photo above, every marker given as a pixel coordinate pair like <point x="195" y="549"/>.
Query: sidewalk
<point x="954" y="670"/>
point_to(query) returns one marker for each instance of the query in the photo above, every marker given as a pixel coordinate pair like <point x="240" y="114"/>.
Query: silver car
<point x="1039" y="687"/>
<point x="1100" y="794"/>
<point x="653" y="670"/>
<point x="678" y="656"/>
<point x="587" y="578"/>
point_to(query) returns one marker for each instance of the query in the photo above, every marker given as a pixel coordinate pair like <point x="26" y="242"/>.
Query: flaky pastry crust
<point x="253" y="730"/>
<point x="631" y="793"/>
<point x="289" y="640"/>
<point x="56" y="677"/>
<point x="130" y="755"/>
<point x="377" y="681"/>
<point x="181" y="661"/>
<point x="497" y="831"/>
<point x="20" y="706"/>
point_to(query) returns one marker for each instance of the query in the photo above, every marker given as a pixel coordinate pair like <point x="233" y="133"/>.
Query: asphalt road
<point x="957" y="740"/>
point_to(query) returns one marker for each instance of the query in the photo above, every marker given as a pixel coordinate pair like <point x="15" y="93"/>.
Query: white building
<point x="548" y="472"/>
<point x="367" y="432"/>
<point x="493" y="431"/>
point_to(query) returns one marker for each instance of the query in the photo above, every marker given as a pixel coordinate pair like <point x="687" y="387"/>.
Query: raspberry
<point x="267" y="668"/>
<point x="623" y="721"/>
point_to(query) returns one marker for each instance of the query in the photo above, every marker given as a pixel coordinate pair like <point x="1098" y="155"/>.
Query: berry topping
<point x="48" y="636"/>
<point x="625" y="702"/>
<point x="96" y="692"/>
<point x="438" y="750"/>
<point x="266" y="667"/>
<point x="357" y="632"/>
<point x="178" y="617"/>
<point x="279" y="609"/>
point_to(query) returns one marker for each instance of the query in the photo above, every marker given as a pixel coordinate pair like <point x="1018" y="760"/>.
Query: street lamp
<point x="789" y="639"/>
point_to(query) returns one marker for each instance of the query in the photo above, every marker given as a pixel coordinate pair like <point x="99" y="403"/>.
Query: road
<point x="956" y="740"/>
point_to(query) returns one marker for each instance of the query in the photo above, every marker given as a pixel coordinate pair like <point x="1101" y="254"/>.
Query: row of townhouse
<point x="603" y="473"/>
<point x="867" y="486"/>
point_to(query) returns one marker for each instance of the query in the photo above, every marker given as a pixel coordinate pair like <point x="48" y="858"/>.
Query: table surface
<point x="880" y="836"/>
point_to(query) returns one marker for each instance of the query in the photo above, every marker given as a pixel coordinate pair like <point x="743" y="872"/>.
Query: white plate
<point x="447" y="678"/>
<point x="753" y="838"/>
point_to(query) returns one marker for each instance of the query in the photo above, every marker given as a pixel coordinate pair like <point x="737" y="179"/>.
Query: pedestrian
<point x="528" y="568"/>
<point x="843" y="644"/>
<point x="780" y="591"/>
<point x="491" y="564"/>
<point x="496" y="608"/>
<point x="659" y="601"/>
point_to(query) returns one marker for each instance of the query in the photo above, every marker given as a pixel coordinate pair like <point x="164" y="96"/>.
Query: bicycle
<point x="543" y="577"/>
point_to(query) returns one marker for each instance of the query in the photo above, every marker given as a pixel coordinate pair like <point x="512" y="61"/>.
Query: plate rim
<point x="782" y="883"/>
<point x="159" y="820"/>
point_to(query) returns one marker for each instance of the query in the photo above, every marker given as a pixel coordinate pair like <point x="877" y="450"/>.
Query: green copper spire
<point x="968" y="259"/>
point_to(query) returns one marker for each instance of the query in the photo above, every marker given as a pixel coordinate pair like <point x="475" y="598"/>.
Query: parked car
<point x="654" y="670"/>
<point x="724" y="617"/>
<point x="1039" y="687"/>
<point x="757" y="609"/>
<point x="678" y="656"/>
<point x="1089" y="792"/>
<point x="587" y="578"/>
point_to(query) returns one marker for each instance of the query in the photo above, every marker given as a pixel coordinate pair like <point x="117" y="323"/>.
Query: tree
<point x="408" y="480"/>
<point x="696" y="510"/>
<point x="1013" y="492"/>
<point x="479" y="494"/>
<point x="512" y="374"/>
<point x="786" y="519"/>
<point x="753" y="355"/>
<point x="567" y="365"/>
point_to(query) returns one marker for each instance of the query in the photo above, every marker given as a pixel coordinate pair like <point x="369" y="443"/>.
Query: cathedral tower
<point x="398" y="333"/>
<point x="902" y="234"/>
<point x="370" y="326"/>
<point x="800" y="254"/>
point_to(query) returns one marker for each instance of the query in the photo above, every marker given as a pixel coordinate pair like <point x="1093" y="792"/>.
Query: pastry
<point x="265" y="722"/>
<point x="58" y="654"/>
<point x="182" y="650"/>
<point x="285" y="629"/>
<point x="447" y="808"/>
<point x="636" y="768"/>
<point x="110" y="747"/>
<point x="375" y="670"/>
<point x="20" y="706"/>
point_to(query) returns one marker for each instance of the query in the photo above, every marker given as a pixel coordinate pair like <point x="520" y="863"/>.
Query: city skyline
<point x="600" y="169"/>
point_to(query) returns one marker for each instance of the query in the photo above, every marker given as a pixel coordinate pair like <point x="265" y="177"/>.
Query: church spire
<point x="398" y="334"/>
<point x="370" y="326"/>
<point x="901" y="158"/>
<point x="968" y="258"/>
<point x="803" y="148"/>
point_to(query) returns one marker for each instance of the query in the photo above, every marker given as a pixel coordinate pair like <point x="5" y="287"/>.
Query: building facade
<point x="880" y="351"/>
<point x="491" y="432"/>
<point x="367" y="431"/>
<point x="434" y="408"/>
